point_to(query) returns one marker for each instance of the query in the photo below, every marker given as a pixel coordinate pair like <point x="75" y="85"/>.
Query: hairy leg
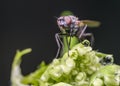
<point x="81" y="31"/>
<point x="59" y="43"/>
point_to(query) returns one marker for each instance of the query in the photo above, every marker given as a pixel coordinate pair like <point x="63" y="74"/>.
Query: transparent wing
<point x="91" y="23"/>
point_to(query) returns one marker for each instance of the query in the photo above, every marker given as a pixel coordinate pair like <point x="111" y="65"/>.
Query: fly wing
<point x="91" y="23"/>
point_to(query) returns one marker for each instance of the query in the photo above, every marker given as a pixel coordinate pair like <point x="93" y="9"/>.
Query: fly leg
<point x="58" y="37"/>
<point x="81" y="31"/>
<point x="59" y="43"/>
<point x="82" y="35"/>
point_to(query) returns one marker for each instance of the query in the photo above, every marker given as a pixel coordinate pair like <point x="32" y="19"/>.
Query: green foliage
<point x="66" y="13"/>
<point x="16" y="75"/>
<point x="81" y="68"/>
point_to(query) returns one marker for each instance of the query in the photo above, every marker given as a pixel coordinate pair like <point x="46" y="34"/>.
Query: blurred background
<point x="32" y="24"/>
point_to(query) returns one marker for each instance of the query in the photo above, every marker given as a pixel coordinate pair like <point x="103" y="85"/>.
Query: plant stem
<point x="73" y="41"/>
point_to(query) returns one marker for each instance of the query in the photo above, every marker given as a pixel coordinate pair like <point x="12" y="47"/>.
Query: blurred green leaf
<point x="66" y="13"/>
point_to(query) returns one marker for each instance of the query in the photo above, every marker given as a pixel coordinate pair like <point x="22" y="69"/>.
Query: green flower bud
<point x="98" y="82"/>
<point x="61" y="84"/>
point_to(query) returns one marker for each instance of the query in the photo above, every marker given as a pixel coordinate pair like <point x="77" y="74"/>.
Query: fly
<point x="72" y="26"/>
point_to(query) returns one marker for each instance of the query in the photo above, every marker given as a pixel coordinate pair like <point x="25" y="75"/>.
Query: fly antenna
<point x="55" y="17"/>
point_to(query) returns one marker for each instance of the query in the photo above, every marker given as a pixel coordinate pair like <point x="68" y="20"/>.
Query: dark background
<point x="31" y="24"/>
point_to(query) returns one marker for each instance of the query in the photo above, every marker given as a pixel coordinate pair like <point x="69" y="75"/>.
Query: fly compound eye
<point x="67" y="20"/>
<point x="64" y="21"/>
<point x="61" y="21"/>
<point x="73" y="19"/>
